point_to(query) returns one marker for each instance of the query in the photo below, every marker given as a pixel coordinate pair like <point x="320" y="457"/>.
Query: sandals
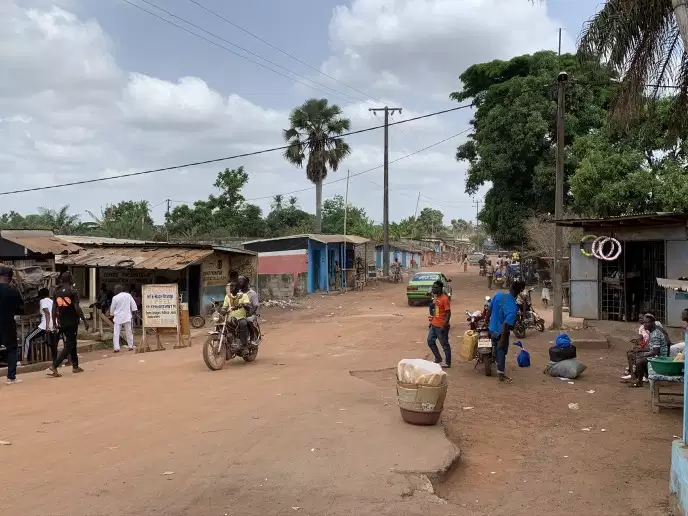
<point x="53" y="372"/>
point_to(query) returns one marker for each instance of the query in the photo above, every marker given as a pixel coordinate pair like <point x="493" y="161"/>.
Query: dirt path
<point x="297" y="430"/>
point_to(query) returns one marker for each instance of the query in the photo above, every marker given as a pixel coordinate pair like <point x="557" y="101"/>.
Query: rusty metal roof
<point x="39" y="241"/>
<point x="151" y="258"/>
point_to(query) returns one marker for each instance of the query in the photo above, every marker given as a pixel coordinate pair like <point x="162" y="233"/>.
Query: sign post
<point x="160" y="310"/>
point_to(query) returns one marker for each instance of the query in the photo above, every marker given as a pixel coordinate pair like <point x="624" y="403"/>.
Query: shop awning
<point x="150" y="258"/>
<point x="39" y="241"/>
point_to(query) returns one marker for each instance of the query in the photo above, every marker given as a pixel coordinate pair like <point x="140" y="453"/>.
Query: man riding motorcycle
<point x="243" y="303"/>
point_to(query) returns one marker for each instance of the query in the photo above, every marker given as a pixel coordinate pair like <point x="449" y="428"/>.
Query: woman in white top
<point x="44" y="328"/>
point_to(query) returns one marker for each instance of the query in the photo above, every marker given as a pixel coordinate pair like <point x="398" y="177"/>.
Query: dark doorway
<point x="194" y="289"/>
<point x="316" y="270"/>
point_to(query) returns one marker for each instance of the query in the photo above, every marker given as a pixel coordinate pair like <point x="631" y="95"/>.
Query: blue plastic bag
<point x="563" y="341"/>
<point x="523" y="358"/>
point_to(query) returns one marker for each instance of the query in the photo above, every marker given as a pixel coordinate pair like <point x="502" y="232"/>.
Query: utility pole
<point x="385" y="202"/>
<point x="558" y="298"/>
<point x="346" y="201"/>
<point x="415" y="215"/>
<point x="477" y="223"/>
<point x="167" y="213"/>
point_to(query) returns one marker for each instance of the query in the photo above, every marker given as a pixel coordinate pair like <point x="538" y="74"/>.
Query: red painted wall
<point x="282" y="263"/>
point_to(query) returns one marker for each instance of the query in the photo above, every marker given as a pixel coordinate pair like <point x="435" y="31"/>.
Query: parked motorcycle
<point x="527" y="318"/>
<point x="478" y="322"/>
<point x="223" y="344"/>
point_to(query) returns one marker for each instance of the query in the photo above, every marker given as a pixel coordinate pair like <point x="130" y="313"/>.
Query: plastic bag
<point x="523" y="358"/>
<point x="423" y="372"/>
<point x="570" y="369"/>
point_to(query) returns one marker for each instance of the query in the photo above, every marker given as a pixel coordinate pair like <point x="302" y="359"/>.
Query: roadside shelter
<point x="293" y="265"/>
<point x="201" y="271"/>
<point x="653" y="246"/>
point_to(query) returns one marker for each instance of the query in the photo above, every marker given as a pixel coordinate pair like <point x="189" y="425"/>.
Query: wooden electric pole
<point x="346" y="201"/>
<point x="558" y="299"/>
<point x="385" y="201"/>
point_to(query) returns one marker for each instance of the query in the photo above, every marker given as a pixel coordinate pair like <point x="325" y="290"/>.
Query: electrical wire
<point x="367" y="170"/>
<point x="332" y="91"/>
<point x="237" y="156"/>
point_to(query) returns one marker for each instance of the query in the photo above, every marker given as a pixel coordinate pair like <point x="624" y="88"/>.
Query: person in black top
<point x="11" y="304"/>
<point x="66" y="315"/>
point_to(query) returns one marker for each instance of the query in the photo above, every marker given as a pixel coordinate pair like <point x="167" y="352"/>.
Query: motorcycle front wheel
<point x="214" y="355"/>
<point x="520" y="331"/>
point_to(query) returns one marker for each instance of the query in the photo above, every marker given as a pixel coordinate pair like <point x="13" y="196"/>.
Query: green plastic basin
<point x="666" y="366"/>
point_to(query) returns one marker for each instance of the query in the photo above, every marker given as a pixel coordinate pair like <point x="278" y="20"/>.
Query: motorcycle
<point x="223" y="343"/>
<point x="527" y="317"/>
<point x="485" y="353"/>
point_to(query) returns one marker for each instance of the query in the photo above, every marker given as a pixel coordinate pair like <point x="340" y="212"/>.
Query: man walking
<point x="66" y="315"/>
<point x="121" y="308"/>
<point x="501" y="317"/>
<point x="489" y="272"/>
<point x="439" y="325"/>
<point x="45" y="327"/>
<point x="11" y="304"/>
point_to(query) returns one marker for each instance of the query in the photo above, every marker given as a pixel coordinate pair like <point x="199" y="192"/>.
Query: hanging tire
<point x="214" y="359"/>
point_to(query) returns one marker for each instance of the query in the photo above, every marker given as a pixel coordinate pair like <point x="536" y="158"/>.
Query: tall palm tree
<point x="313" y="137"/>
<point x="60" y="221"/>
<point x="277" y="201"/>
<point x="645" y="41"/>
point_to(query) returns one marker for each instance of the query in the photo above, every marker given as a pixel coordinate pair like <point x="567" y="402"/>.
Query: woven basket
<point x="421" y="404"/>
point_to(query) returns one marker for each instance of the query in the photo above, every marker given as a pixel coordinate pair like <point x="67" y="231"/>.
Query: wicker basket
<point x="421" y="404"/>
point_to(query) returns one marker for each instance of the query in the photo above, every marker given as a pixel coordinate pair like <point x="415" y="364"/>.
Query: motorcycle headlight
<point x="216" y="317"/>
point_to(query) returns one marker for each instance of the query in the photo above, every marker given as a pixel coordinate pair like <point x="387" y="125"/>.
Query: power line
<point x="169" y="13"/>
<point x="282" y="51"/>
<point x="236" y="156"/>
<point x="368" y="170"/>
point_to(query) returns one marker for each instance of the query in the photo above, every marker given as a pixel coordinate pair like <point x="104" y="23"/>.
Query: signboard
<point x="125" y="277"/>
<point x="160" y="306"/>
<point x="215" y="270"/>
<point x="160" y="310"/>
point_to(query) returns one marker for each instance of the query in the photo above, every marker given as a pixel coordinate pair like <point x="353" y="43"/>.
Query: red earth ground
<point x="315" y="417"/>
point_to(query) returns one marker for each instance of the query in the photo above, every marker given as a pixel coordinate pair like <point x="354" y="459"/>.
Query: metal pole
<point x="558" y="301"/>
<point x="346" y="201"/>
<point x="385" y="199"/>
<point x="415" y="215"/>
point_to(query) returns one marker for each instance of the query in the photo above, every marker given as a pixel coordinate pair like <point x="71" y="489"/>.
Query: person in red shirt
<point x="439" y="325"/>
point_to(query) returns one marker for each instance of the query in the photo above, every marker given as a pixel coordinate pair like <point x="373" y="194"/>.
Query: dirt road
<point x="297" y="433"/>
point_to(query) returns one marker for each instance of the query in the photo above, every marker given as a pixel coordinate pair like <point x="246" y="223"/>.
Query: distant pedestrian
<point x="45" y="328"/>
<point x="489" y="272"/>
<point x="11" y="304"/>
<point x="66" y="315"/>
<point x="439" y="325"/>
<point x="121" y="308"/>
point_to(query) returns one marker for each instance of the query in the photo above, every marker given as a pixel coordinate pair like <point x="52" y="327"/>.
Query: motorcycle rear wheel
<point x="214" y="360"/>
<point x="540" y="325"/>
<point x="488" y="366"/>
<point x="520" y="330"/>
<point x="252" y="355"/>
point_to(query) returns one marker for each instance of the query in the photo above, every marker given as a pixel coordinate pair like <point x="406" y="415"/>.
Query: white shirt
<point x="46" y="302"/>
<point x="121" y="307"/>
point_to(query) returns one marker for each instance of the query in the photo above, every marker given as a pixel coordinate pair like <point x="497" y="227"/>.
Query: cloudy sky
<point x="93" y="89"/>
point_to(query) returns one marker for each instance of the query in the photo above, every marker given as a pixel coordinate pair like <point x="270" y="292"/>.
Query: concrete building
<point x="403" y="251"/>
<point x="652" y="246"/>
<point x="294" y="265"/>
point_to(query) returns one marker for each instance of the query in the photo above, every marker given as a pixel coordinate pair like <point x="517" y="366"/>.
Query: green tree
<point x="430" y="221"/>
<point x="357" y="222"/>
<point x="127" y="219"/>
<point x="312" y="137"/>
<point x="277" y="201"/>
<point x="512" y="146"/>
<point x="60" y="221"/>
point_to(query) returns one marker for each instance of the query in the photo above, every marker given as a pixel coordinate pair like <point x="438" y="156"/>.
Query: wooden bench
<point x="662" y="387"/>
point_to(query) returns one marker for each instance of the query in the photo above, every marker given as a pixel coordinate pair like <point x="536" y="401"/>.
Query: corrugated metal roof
<point x="325" y="239"/>
<point x="96" y="240"/>
<point x="39" y="241"/>
<point x="151" y="258"/>
<point x="233" y="250"/>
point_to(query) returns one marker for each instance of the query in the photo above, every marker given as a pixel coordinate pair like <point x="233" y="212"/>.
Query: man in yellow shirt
<point x="238" y="303"/>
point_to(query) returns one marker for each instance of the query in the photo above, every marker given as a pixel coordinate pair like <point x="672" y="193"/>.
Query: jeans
<point x="242" y="329"/>
<point x="442" y="334"/>
<point x="69" y="338"/>
<point x="9" y="340"/>
<point x="500" y="353"/>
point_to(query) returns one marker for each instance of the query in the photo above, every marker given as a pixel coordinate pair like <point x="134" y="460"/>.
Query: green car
<point x="420" y="286"/>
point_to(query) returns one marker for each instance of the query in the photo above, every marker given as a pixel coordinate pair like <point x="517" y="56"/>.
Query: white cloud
<point x="69" y="111"/>
<point x="404" y="44"/>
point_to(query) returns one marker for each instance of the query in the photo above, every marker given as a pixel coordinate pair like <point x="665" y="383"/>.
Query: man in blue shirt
<point x="501" y="317"/>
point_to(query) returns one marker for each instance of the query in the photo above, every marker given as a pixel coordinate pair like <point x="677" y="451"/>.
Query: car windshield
<point x="424" y="276"/>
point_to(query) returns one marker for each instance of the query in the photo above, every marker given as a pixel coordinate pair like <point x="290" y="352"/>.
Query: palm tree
<point x="277" y="201"/>
<point x="645" y="42"/>
<point x="313" y="137"/>
<point x="60" y="221"/>
<point x="293" y="202"/>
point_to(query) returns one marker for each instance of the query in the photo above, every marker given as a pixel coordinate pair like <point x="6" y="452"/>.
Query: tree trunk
<point x="318" y="207"/>
<point x="681" y="14"/>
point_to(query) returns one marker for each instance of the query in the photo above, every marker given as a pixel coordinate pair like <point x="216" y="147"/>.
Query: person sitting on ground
<point x="657" y="346"/>
<point x="680" y="347"/>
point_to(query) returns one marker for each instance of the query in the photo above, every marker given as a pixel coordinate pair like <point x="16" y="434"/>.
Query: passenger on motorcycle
<point x="254" y="304"/>
<point x="238" y="304"/>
